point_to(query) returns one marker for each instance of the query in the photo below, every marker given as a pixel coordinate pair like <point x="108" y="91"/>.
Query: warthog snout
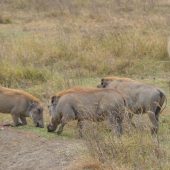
<point x="99" y="86"/>
<point x="39" y="125"/>
<point x="50" y="128"/>
<point x="102" y="85"/>
<point x="36" y="113"/>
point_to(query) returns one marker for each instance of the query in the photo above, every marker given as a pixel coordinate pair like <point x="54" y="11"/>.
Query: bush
<point x="22" y="76"/>
<point x="5" y="20"/>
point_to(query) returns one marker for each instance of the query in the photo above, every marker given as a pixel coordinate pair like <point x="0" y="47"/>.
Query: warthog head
<point x="36" y="113"/>
<point x="104" y="83"/>
<point x="53" y="104"/>
<point x="55" y="120"/>
<point x="52" y="126"/>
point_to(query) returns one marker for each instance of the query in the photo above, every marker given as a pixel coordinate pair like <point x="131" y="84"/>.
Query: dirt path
<point x="27" y="151"/>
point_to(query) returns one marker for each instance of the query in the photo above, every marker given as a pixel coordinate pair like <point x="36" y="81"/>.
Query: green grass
<point x="68" y="133"/>
<point x="42" y="132"/>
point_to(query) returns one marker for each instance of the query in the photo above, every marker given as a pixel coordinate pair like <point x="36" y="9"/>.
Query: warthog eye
<point x="39" y="111"/>
<point x="103" y="84"/>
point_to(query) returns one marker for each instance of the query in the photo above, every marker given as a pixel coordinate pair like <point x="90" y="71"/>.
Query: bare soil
<point x="20" y="150"/>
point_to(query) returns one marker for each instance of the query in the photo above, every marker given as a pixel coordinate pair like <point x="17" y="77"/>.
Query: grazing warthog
<point x="86" y="104"/>
<point x="141" y="98"/>
<point x="21" y="105"/>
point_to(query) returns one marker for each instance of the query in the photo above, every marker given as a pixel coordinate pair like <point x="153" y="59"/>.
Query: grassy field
<point x="47" y="46"/>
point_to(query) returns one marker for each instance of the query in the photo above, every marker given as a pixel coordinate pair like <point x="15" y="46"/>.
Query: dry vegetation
<point x="46" y="40"/>
<point x="136" y="149"/>
<point x="46" y="46"/>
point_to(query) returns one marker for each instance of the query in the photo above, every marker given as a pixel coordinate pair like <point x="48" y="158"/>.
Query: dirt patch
<point x="27" y="151"/>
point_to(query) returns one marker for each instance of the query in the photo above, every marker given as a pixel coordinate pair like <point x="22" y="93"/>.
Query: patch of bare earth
<point x="27" y="151"/>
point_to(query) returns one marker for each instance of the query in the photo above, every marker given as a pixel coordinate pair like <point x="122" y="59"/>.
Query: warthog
<point x="21" y="105"/>
<point x="107" y="80"/>
<point x="86" y="104"/>
<point x="141" y="98"/>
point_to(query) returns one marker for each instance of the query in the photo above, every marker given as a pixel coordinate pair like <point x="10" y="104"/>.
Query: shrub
<point x="5" y="20"/>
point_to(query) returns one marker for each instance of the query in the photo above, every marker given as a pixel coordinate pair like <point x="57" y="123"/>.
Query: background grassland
<point x="47" y="39"/>
<point x="46" y="46"/>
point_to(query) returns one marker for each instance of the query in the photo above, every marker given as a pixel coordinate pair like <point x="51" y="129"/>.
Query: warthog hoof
<point x="59" y="132"/>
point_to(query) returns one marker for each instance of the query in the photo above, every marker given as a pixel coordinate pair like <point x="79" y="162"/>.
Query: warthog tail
<point x="163" y="99"/>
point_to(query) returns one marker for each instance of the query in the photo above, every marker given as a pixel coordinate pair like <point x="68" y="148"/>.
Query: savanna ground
<point x="47" y="46"/>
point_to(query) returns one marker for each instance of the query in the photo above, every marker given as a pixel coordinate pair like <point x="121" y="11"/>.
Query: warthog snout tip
<point x="39" y="125"/>
<point x="50" y="128"/>
<point x="99" y="86"/>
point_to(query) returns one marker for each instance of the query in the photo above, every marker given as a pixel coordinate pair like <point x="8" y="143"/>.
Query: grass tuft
<point x="5" y="20"/>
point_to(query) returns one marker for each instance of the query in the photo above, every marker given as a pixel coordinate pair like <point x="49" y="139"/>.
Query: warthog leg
<point x="68" y="115"/>
<point x="23" y="120"/>
<point x="16" y="120"/>
<point x="60" y="129"/>
<point x="154" y="117"/>
<point x="130" y="117"/>
<point x="154" y="121"/>
<point x="80" y="127"/>
<point x="116" y="123"/>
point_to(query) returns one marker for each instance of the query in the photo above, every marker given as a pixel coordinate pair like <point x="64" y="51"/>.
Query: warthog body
<point x="21" y="105"/>
<point x="87" y="104"/>
<point x="141" y="98"/>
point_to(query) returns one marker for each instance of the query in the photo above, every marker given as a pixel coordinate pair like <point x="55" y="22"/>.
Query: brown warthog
<point x="86" y="104"/>
<point x="141" y="98"/>
<point x="21" y="105"/>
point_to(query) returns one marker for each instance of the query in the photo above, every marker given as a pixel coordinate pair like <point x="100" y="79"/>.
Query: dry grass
<point x="85" y="163"/>
<point x="77" y="38"/>
<point x="136" y="149"/>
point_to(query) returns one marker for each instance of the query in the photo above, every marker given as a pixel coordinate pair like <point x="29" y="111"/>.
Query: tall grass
<point x="86" y="39"/>
<point x="136" y="149"/>
<point x="122" y="53"/>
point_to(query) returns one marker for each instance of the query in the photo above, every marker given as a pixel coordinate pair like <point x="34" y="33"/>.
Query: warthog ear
<point x="40" y="110"/>
<point x="54" y="99"/>
<point x="32" y="105"/>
